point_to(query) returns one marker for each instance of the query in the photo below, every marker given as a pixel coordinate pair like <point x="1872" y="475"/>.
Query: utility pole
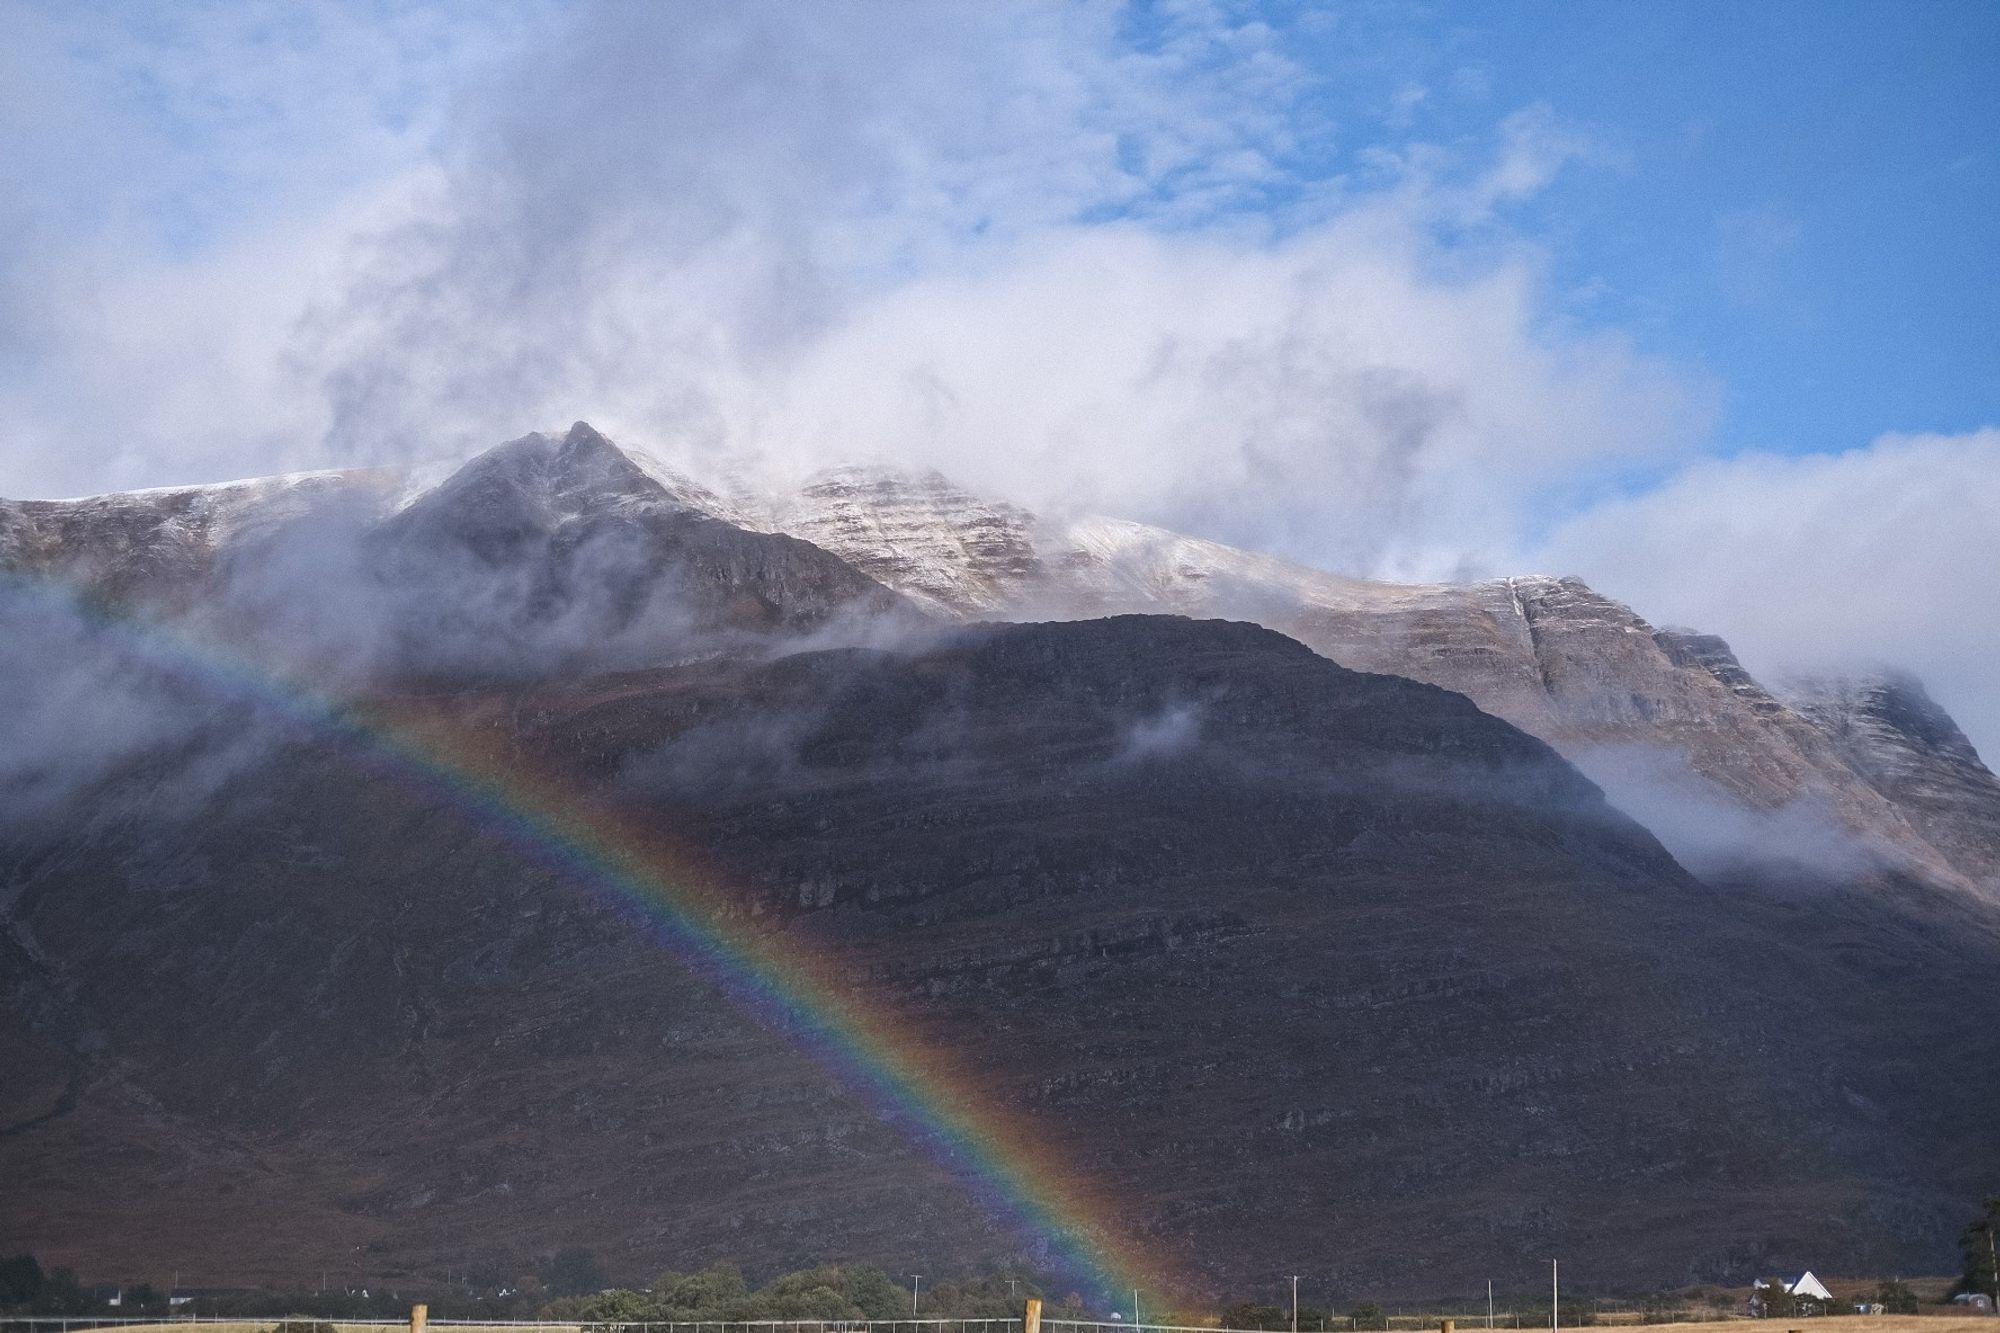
<point x="1135" y="1307"/>
<point x="1295" y="1303"/>
<point x="1489" y="1302"/>
<point x="916" y="1280"/>
<point x="1555" y="1300"/>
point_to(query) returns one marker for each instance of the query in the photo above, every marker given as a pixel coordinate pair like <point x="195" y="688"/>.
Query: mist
<point x="105" y="726"/>
<point x="1715" y="835"/>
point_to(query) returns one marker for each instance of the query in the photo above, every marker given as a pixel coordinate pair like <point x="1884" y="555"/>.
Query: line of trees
<point x="26" y="1289"/>
<point x="829" y="1291"/>
<point x="1979" y="1245"/>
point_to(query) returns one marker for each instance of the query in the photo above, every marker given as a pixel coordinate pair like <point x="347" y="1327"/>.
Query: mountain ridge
<point x="1666" y="718"/>
<point x="1545" y="652"/>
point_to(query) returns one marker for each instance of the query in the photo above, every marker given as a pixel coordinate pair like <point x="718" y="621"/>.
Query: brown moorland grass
<point x="264" y="1325"/>
<point x="1859" y="1323"/>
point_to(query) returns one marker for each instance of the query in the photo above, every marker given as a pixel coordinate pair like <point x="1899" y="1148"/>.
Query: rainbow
<point x="1020" y="1182"/>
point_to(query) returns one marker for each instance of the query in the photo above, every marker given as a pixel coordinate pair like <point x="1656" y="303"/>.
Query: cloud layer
<point x="1084" y="256"/>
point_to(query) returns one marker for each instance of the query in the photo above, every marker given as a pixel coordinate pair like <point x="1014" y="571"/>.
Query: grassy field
<point x="1845" y="1323"/>
<point x="263" y="1325"/>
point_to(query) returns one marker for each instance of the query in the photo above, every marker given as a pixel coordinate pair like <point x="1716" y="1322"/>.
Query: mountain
<point x="325" y="797"/>
<point x="1666" y="719"/>
<point x="563" y="551"/>
<point x="1279" y="958"/>
<point x="1909" y="749"/>
<point x="570" y="545"/>
<point x="541" y="554"/>
<point x="161" y="546"/>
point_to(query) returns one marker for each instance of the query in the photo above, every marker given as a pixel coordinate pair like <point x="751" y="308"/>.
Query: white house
<point x="1807" y="1286"/>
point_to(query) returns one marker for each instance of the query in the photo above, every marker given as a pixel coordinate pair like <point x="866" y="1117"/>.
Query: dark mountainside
<point x="1303" y="969"/>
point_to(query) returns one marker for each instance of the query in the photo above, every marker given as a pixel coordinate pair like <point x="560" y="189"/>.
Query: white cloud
<point x="661" y="210"/>
<point x="1018" y="248"/>
<point x="1018" y="242"/>
<point x="1325" y="396"/>
<point x="181" y="184"/>
<point x="1888" y="554"/>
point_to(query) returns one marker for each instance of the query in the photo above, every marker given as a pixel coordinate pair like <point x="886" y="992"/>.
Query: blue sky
<point x="1695" y="300"/>
<point x="1797" y="197"/>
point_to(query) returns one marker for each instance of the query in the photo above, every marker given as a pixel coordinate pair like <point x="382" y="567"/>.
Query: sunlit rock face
<point x="1911" y="751"/>
<point x="920" y="534"/>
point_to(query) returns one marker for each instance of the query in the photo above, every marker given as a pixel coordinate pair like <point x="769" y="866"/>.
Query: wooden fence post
<point x="419" y="1316"/>
<point x="1031" y="1317"/>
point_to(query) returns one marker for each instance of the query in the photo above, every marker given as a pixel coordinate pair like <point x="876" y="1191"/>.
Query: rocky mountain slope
<point x="161" y="546"/>
<point x="1288" y="964"/>
<point x="1910" y="750"/>
<point x="1667" y="720"/>
<point x="567" y="542"/>
<point x="1278" y="959"/>
<point x="574" y="546"/>
<point x="542" y="553"/>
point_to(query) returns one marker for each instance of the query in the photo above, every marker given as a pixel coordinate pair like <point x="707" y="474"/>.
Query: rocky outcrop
<point x="1909" y="749"/>
<point x="917" y="533"/>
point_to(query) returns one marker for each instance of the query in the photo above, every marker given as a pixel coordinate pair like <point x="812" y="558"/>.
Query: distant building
<point x="1807" y="1287"/>
<point x="1978" y="1300"/>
